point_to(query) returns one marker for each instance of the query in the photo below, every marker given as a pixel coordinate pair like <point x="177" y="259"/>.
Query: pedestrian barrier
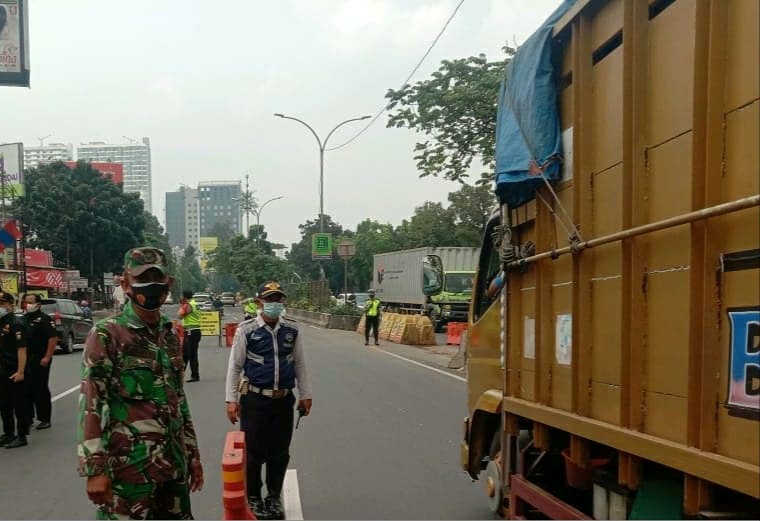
<point x="454" y="332"/>
<point x="229" y="332"/>
<point x="414" y="330"/>
<point x="233" y="478"/>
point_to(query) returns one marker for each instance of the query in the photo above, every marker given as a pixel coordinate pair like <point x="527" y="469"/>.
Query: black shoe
<point x="366" y="343"/>
<point x="191" y="380"/>
<point x="18" y="442"/>
<point x="377" y="343"/>
<point x="259" y="508"/>
<point x="274" y="505"/>
<point x="42" y="426"/>
<point x="5" y="440"/>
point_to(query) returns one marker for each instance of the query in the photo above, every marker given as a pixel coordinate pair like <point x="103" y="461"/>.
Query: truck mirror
<point x="432" y="275"/>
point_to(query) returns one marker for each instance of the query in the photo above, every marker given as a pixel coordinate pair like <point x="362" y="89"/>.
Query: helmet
<point x="371" y="291"/>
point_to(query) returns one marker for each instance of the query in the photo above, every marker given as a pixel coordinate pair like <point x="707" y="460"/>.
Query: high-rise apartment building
<point x="219" y="201"/>
<point x="134" y="156"/>
<point x="182" y="222"/>
<point x="35" y="156"/>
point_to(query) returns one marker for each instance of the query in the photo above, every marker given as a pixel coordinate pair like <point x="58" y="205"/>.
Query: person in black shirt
<point x="14" y="396"/>
<point x="42" y="339"/>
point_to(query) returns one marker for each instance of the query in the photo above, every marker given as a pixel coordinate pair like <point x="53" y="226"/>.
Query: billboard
<point x="207" y="245"/>
<point x="112" y="171"/>
<point x="14" y="43"/>
<point x="12" y="166"/>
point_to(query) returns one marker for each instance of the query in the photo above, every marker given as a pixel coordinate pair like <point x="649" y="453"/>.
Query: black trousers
<point x="190" y="346"/>
<point x="374" y="323"/>
<point x="40" y="406"/>
<point x="268" y="427"/>
<point x="14" y="405"/>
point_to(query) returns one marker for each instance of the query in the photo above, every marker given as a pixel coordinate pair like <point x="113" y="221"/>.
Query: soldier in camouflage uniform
<point x="137" y="444"/>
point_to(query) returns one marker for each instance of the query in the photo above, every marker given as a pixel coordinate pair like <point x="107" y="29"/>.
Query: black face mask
<point x="150" y="295"/>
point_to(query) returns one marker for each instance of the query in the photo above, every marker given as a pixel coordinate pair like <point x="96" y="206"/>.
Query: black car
<point x="69" y="320"/>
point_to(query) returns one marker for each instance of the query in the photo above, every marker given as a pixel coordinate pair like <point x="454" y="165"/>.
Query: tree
<point x="456" y="110"/>
<point x="249" y="262"/>
<point x="222" y="230"/>
<point x="471" y="207"/>
<point x="371" y="238"/>
<point x="300" y="253"/>
<point x="81" y="217"/>
<point x="188" y="273"/>
<point x="153" y="234"/>
<point x="431" y="225"/>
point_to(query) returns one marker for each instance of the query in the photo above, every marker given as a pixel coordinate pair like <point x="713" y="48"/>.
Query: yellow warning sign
<point x="210" y="323"/>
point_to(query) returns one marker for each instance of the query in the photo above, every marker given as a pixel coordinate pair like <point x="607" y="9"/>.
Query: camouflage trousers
<point x="167" y="500"/>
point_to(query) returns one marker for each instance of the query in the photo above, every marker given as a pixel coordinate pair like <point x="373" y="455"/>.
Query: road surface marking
<point x="422" y="365"/>
<point x="65" y="393"/>
<point x="292" y="496"/>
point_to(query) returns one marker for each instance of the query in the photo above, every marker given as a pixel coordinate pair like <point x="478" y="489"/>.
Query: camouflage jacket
<point x="134" y="420"/>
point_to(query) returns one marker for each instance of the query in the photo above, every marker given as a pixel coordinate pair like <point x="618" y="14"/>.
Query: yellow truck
<point x="613" y="344"/>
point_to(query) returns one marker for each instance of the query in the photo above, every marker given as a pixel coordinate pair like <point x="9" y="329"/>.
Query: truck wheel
<point x="493" y="480"/>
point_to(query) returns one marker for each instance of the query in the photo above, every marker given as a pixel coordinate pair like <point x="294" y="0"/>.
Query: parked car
<point x="228" y="299"/>
<point x="69" y="320"/>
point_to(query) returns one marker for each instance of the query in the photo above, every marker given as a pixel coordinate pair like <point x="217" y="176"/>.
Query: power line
<point x="416" y="68"/>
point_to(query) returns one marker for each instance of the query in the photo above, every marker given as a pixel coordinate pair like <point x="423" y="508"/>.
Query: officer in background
<point x="42" y="339"/>
<point x="266" y="363"/>
<point x="191" y="323"/>
<point x="14" y="395"/>
<point x="250" y="309"/>
<point x="136" y="441"/>
<point x="372" y="319"/>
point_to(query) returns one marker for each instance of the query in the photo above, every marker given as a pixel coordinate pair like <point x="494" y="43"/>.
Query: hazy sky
<point x="202" y="80"/>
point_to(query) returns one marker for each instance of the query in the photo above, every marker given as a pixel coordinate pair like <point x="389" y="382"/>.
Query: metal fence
<point x="316" y="292"/>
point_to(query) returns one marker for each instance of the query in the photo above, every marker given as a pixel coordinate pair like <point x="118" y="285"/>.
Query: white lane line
<point x="65" y="393"/>
<point x="440" y="371"/>
<point x="292" y="496"/>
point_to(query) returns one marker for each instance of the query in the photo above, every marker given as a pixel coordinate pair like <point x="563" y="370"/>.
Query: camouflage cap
<point x="139" y="260"/>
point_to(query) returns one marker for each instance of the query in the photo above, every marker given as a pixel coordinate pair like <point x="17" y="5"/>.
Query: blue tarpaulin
<point x="528" y="139"/>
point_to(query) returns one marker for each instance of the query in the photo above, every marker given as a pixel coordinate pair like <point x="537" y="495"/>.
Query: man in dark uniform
<point x="42" y="339"/>
<point x="266" y="363"/>
<point x="14" y="395"/>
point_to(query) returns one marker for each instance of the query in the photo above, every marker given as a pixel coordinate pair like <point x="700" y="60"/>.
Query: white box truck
<point x="397" y="279"/>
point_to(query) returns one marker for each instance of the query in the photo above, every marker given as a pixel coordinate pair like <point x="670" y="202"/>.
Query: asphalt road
<point x="382" y="441"/>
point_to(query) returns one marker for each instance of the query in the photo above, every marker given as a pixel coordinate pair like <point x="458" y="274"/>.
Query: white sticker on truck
<point x="564" y="339"/>
<point x="529" y="337"/>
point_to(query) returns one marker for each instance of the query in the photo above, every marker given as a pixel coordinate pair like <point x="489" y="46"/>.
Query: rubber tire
<point x="68" y="346"/>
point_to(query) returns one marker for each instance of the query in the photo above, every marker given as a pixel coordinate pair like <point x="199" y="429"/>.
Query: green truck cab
<point x="453" y="303"/>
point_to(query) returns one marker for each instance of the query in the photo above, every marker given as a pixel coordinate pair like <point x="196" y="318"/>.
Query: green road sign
<point x="321" y="246"/>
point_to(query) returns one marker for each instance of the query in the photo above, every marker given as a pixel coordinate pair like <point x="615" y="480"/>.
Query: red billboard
<point x="45" y="278"/>
<point x="40" y="258"/>
<point x="112" y="171"/>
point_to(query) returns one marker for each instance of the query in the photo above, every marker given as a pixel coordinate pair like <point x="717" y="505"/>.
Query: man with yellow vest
<point x="250" y="309"/>
<point x="372" y="312"/>
<point x="191" y="323"/>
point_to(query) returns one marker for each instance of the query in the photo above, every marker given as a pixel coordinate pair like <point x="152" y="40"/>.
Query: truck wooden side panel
<point x="661" y="105"/>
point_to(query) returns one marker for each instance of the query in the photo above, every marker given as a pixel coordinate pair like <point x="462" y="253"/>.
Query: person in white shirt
<point x="266" y="363"/>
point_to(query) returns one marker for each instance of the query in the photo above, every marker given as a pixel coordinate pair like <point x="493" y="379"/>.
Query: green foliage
<point x="249" y="261"/>
<point x="222" y="230"/>
<point x="80" y="211"/>
<point x="188" y="274"/>
<point x="456" y="110"/>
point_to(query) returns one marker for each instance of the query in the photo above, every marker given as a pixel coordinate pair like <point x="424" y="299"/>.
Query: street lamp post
<point x="258" y="211"/>
<point x="322" y="145"/>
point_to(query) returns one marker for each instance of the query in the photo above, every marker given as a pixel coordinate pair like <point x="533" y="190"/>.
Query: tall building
<point x="136" y="160"/>
<point x="219" y="201"/>
<point x="182" y="223"/>
<point x="35" y="156"/>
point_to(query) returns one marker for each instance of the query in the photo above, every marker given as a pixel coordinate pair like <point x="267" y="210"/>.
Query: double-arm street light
<point x="257" y="212"/>
<point x="322" y="145"/>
